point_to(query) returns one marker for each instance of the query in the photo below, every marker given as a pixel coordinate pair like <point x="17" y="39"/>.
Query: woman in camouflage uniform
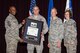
<point x="70" y="33"/>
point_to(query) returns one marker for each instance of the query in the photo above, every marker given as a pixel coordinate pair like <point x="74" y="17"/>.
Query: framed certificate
<point x="32" y="31"/>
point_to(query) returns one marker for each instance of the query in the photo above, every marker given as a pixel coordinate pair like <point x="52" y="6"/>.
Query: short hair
<point x="54" y="8"/>
<point x="35" y="6"/>
<point x="11" y="7"/>
<point x="70" y="12"/>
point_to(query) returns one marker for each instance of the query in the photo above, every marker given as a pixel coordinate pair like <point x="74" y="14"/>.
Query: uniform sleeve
<point x="74" y="33"/>
<point x="19" y="25"/>
<point x="45" y="26"/>
<point x="60" y="30"/>
<point x="11" y="27"/>
<point x="16" y="27"/>
<point x="7" y="23"/>
<point x="49" y="33"/>
<point x="48" y="38"/>
<point x="73" y="30"/>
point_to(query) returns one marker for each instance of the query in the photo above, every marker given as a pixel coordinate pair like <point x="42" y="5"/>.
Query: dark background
<point x="22" y="12"/>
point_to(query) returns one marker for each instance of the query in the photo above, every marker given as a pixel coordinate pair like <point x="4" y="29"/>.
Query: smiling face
<point x="54" y="12"/>
<point x="67" y="15"/>
<point x="12" y="10"/>
<point x="36" y="10"/>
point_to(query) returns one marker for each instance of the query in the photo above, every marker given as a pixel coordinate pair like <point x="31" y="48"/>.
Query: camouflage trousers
<point x="11" y="46"/>
<point x="71" y="45"/>
<point x="54" y="48"/>
<point x="71" y="48"/>
<point x="39" y="48"/>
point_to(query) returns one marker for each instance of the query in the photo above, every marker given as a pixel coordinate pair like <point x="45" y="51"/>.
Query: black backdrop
<point x="22" y="12"/>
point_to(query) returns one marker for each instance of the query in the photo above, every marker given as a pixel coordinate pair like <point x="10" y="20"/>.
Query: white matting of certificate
<point x="32" y="31"/>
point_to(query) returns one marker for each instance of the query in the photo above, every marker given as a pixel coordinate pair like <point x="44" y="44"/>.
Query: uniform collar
<point x="54" y="19"/>
<point x="11" y="15"/>
<point x="68" y="20"/>
<point x="35" y="15"/>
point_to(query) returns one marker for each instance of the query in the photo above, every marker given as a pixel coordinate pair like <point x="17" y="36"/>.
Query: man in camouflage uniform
<point x="12" y="31"/>
<point x="37" y="16"/>
<point x="55" y="33"/>
<point x="70" y="33"/>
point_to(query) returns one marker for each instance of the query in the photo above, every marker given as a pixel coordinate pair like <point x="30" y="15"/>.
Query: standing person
<point x="12" y="31"/>
<point x="70" y="33"/>
<point x="37" y="16"/>
<point x="55" y="33"/>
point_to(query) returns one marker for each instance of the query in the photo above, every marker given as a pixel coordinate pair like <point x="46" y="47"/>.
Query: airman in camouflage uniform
<point x="55" y="33"/>
<point x="12" y="31"/>
<point x="70" y="33"/>
<point x="36" y="16"/>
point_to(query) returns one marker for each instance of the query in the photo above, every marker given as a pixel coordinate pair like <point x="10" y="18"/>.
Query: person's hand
<point x="23" y="22"/>
<point x="41" y="34"/>
<point x="58" y="44"/>
<point x="21" y="40"/>
<point x="22" y="32"/>
<point x="48" y="45"/>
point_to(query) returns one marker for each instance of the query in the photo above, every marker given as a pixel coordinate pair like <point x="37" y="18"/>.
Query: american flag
<point x="32" y="4"/>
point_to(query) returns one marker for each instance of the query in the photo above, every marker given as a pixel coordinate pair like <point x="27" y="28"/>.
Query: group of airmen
<point x="58" y="30"/>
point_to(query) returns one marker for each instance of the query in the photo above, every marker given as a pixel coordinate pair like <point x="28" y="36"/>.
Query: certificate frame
<point x="32" y="31"/>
